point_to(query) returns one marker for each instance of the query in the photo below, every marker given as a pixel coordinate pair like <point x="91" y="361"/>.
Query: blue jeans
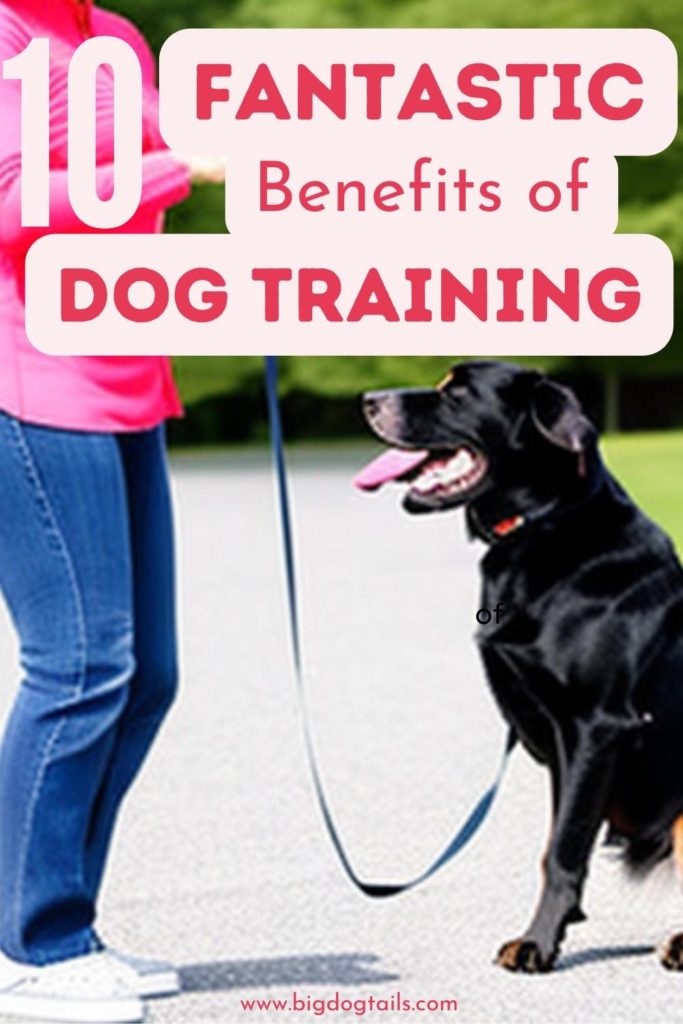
<point x="86" y="568"/>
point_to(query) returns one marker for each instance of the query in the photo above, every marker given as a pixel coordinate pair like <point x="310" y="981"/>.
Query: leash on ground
<point x="477" y="815"/>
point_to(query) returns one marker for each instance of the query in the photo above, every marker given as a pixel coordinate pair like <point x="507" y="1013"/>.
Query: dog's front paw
<point x="524" y="955"/>
<point x="672" y="953"/>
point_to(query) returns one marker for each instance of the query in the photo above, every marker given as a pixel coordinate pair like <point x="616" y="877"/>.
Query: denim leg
<point x="65" y="572"/>
<point x="153" y="687"/>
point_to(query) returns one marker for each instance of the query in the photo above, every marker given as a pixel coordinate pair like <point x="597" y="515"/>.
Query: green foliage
<point x="649" y="465"/>
<point x="332" y="376"/>
<point x="215" y="375"/>
<point x="651" y="188"/>
<point x="341" y="375"/>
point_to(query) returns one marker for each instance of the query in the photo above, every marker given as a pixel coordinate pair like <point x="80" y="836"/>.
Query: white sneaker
<point x="155" y="978"/>
<point x="92" y="989"/>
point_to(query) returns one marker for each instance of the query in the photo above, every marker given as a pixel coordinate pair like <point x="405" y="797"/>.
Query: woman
<point x="86" y="568"/>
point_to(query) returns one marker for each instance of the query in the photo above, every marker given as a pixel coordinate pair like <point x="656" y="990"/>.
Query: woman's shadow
<point x="338" y="969"/>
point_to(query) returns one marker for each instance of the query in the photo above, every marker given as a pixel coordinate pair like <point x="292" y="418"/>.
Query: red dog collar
<point x="506" y="526"/>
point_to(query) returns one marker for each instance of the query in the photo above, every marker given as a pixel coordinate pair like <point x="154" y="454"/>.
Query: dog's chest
<point x="527" y="692"/>
<point x="527" y="664"/>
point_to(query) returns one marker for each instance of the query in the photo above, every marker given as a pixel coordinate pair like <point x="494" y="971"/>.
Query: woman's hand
<point x="207" y="170"/>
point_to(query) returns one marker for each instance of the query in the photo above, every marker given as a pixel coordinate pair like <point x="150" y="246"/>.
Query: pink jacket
<point x="76" y="392"/>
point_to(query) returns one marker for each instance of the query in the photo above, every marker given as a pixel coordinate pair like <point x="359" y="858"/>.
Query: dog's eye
<point x="457" y="391"/>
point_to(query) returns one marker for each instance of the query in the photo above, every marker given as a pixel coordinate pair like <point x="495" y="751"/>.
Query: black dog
<point x="586" y="662"/>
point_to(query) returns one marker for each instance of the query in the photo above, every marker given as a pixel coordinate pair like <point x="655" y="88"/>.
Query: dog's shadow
<point x="339" y="969"/>
<point x="591" y="956"/>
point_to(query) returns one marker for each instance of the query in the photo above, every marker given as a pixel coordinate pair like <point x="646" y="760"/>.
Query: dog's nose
<point x="373" y="401"/>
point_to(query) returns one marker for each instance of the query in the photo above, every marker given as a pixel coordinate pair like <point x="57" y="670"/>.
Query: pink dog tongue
<point x="390" y="465"/>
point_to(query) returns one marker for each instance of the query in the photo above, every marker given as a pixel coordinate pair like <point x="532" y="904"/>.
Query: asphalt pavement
<point x="221" y="862"/>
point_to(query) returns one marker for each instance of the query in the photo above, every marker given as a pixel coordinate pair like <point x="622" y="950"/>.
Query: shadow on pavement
<point x="330" y="969"/>
<point x="591" y="956"/>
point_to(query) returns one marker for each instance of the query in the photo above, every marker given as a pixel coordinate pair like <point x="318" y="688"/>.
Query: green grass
<point x="650" y="466"/>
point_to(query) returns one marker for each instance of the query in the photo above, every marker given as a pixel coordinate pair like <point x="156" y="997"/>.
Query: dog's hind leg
<point x="672" y="954"/>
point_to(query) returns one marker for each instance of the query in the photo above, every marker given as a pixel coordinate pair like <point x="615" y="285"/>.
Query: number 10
<point x="32" y="68"/>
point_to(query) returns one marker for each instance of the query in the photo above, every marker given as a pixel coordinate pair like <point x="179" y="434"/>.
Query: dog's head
<point x="496" y="437"/>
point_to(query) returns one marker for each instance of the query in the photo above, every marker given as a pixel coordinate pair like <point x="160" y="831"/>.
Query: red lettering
<point x="628" y="301"/>
<point x="324" y="300"/>
<point x="312" y="191"/>
<point x="467" y="86"/>
<point x="266" y="185"/>
<point x="418" y="311"/>
<point x="384" y="193"/>
<point x="596" y="92"/>
<point x="71" y="313"/>
<point x="544" y="291"/>
<point x="141" y="314"/>
<point x="510" y="312"/>
<point x="373" y="299"/>
<point x="333" y="96"/>
<point x="214" y="302"/>
<point x="271" y="277"/>
<point x="207" y="93"/>
<point x="453" y="290"/>
<point x="373" y="75"/>
<point x="527" y="75"/>
<point x="417" y="103"/>
<point x="566" y="109"/>
<point x="553" y="203"/>
<point x="271" y="103"/>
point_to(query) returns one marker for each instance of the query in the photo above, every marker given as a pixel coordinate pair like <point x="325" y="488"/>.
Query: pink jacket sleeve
<point x="165" y="178"/>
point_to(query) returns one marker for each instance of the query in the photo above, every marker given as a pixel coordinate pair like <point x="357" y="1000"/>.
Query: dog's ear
<point x="557" y="415"/>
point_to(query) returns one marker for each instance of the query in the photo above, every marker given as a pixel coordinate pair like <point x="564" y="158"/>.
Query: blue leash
<point x="476" y="817"/>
